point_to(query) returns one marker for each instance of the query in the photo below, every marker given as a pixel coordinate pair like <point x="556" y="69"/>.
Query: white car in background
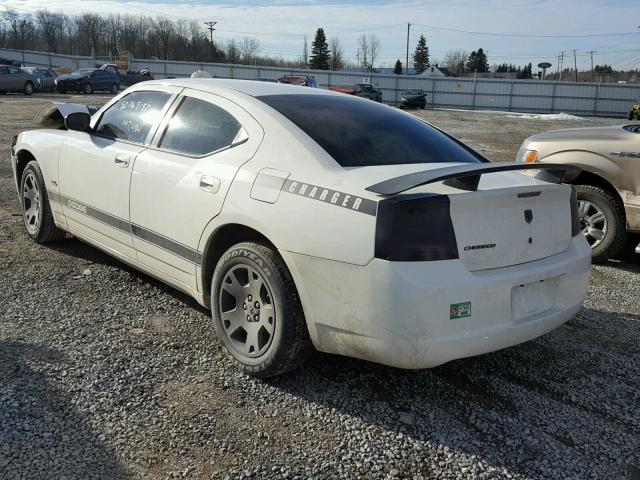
<point x="303" y="218"/>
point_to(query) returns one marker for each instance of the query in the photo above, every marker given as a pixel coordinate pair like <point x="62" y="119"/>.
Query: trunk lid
<point x="498" y="227"/>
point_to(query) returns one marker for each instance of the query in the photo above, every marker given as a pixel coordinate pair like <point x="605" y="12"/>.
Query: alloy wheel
<point x="31" y="203"/>
<point x="593" y="222"/>
<point x="247" y="310"/>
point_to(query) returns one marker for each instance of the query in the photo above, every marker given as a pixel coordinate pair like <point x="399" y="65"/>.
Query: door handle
<point x="122" y="160"/>
<point x="209" y="184"/>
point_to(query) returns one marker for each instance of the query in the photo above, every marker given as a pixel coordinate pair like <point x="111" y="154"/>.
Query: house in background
<point x="431" y="71"/>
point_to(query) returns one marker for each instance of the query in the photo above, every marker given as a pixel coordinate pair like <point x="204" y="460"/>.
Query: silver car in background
<point x="45" y="78"/>
<point x="13" y="79"/>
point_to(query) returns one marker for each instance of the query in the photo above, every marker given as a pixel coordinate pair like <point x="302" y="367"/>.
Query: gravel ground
<point x="106" y="373"/>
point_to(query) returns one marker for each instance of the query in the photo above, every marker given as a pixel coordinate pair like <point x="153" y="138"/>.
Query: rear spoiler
<point x="467" y="177"/>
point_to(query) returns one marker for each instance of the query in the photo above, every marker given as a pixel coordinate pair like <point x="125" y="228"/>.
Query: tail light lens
<point x="575" y="217"/>
<point x="415" y="228"/>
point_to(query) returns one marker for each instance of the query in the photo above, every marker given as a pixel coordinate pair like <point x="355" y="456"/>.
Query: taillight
<point x="575" y="217"/>
<point x="415" y="228"/>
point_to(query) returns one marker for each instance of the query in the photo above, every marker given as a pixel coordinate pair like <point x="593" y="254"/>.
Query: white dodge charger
<point x="304" y="218"/>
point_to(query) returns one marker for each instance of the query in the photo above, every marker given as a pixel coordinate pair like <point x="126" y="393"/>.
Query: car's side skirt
<point x="167" y="244"/>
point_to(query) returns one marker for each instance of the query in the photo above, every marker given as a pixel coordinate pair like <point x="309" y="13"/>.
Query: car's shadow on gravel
<point x="78" y="249"/>
<point x="41" y="428"/>
<point x="538" y="408"/>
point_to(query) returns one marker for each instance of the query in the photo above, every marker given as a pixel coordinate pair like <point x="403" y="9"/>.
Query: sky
<point x="516" y="31"/>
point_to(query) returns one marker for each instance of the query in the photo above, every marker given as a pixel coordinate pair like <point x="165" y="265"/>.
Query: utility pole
<point x="592" y="52"/>
<point x="561" y="65"/>
<point x="575" y="64"/>
<point x="210" y="26"/>
<point x="406" y="65"/>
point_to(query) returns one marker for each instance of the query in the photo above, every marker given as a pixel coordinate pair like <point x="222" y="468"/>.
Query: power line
<point x="523" y="35"/>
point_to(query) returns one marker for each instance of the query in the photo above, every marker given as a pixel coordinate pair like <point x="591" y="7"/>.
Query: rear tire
<point x="88" y="89"/>
<point x="28" y="88"/>
<point x="631" y="115"/>
<point x="36" y="211"/>
<point x="115" y="88"/>
<point x="601" y="215"/>
<point x="256" y="311"/>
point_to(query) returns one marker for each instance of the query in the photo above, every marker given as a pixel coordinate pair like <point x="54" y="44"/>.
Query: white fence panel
<point x="442" y="92"/>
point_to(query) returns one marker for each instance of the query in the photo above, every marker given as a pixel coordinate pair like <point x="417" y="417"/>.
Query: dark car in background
<point x="88" y="80"/>
<point x="6" y="61"/>
<point x="12" y="79"/>
<point x="413" y="98"/>
<point x="45" y="78"/>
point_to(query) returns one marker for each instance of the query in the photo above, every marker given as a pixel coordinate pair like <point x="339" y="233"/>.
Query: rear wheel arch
<point x="220" y="241"/>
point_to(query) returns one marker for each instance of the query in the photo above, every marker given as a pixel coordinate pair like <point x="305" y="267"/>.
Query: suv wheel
<point x="256" y="311"/>
<point x="602" y="221"/>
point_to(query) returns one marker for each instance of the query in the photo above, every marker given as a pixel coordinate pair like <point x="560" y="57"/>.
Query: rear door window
<point x="132" y="117"/>
<point x="199" y="127"/>
<point x="359" y="133"/>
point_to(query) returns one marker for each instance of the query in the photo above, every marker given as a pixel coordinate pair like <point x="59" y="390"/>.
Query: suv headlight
<point x="526" y="155"/>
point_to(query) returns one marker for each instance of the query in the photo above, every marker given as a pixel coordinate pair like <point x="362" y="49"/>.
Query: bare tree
<point x="374" y="50"/>
<point x="25" y="29"/>
<point x="233" y="51"/>
<point x="113" y="30"/>
<point x="363" y="51"/>
<point x="337" y="53"/>
<point x="305" y="52"/>
<point x="48" y="22"/>
<point x="249" y="47"/>
<point x="12" y="17"/>
<point x="455" y="61"/>
<point x="164" y="30"/>
<point x="90" y="31"/>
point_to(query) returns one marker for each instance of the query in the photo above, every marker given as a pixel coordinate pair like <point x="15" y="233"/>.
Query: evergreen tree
<point x="320" y="55"/>
<point x="478" y="62"/>
<point x="397" y="69"/>
<point x="421" y="55"/>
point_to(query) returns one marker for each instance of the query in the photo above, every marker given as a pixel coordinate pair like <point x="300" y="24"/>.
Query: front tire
<point x="28" y="88"/>
<point x="36" y="212"/>
<point x="88" y="89"/>
<point x="256" y="311"/>
<point x="602" y="221"/>
<point x="631" y="115"/>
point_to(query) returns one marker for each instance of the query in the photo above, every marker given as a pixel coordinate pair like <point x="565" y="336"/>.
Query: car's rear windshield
<point x="358" y="133"/>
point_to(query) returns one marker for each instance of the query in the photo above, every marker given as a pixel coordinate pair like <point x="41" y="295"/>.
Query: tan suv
<point x="609" y="185"/>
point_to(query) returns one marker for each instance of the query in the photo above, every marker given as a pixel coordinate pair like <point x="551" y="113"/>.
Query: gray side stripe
<point x="147" y="235"/>
<point x="165" y="243"/>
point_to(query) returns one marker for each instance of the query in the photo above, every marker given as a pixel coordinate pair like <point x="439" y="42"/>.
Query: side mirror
<point x="78" y="121"/>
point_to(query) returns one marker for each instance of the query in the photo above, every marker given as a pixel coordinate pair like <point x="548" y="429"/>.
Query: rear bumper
<point x="399" y="313"/>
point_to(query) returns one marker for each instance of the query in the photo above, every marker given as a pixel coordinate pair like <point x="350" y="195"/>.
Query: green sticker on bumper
<point x="459" y="310"/>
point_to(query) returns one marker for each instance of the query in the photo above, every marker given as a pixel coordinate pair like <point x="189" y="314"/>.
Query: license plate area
<point x="530" y="299"/>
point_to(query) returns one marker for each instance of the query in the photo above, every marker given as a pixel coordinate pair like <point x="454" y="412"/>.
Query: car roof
<point x="249" y="87"/>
